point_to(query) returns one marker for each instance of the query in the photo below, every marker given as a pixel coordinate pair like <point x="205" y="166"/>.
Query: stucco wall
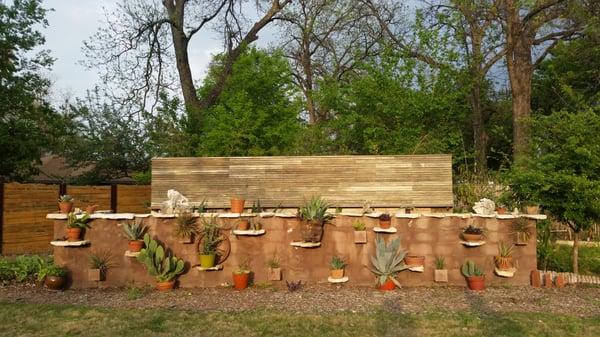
<point x="426" y="235"/>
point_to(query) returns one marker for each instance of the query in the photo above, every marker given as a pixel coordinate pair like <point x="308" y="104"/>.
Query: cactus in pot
<point x="161" y="265"/>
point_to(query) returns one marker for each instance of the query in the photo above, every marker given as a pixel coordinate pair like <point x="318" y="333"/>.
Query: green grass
<point x="19" y="319"/>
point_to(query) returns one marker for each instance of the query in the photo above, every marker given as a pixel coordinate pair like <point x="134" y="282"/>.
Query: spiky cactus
<point x="388" y="261"/>
<point x="159" y="264"/>
<point x="470" y="269"/>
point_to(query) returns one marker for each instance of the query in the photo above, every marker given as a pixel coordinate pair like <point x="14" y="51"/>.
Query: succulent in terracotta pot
<point x="135" y="233"/>
<point x="314" y="216"/>
<point x="472" y="233"/>
<point x="504" y="258"/>
<point x="387" y="263"/>
<point x="474" y="275"/>
<point x="65" y="203"/>
<point x="385" y="221"/>
<point x="336" y="266"/>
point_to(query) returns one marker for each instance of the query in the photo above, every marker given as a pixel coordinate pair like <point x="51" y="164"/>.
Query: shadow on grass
<point x="493" y="323"/>
<point x="391" y="320"/>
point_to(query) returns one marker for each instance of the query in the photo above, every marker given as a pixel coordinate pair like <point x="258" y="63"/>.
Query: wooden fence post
<point x="113" y="197"/>
<point x="62" y="189"/>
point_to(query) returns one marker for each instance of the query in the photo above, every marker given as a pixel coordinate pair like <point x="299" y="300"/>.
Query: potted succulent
<point x="187" y="227"/>
<point x="255" y="225"/>
<point x="337" y="265"/>
<point x="504" y="258"/>
<point x="414" y="260"/>
<point x="314" y="215"/>
<point x="257" y="207"/>
<point x="135" y="232"/>
<point x="522" y="231"/>
<point x="65" y="203"/>
<point x="474" y="275"/>
<point x="472" y="233"/>
<point x="211" y="238"/>
<point x="160" y="264"/>
<point x="53" y="276"/>
<point x="99" y="264"/>
<point x="241" y="276"/>
<point x="360" y="232"/>
<point x="75" y="226"/>
<point x="385" y="221"/>
<point x="387" y="262"/>
<point x="242" y="224"/>
<point x="274" y="273"/>
<point x="440" y="273"/>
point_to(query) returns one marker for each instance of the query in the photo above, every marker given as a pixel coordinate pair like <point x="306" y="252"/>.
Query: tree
<point x="140" y="39"/>
<point x="257" y="111"/>
<point x="28" y="125"/>
<point x="563" y="175"/>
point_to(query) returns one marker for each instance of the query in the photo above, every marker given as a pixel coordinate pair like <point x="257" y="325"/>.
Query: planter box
<point x="360" y="236"/>
<point x="440" y="275"/>
<point x="274" y="274"/>
<point x="95" y="275"/>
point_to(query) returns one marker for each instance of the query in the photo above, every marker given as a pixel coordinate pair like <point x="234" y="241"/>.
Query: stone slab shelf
<point x="353" y="214"/>
<point x="417" y="269"/>
<point x="338" y="280"/>
<point x="285" y="215"/>
<point x="505" y="273"/>
<point x="407" y="215"/>
<point x="249" y="232"/>
<point x="229" y="215"/>
<point x="215" y="268"/>
<point x="472" y="243"/>
<point x="302" y="244"/>
<point x="131" y="254"/>
<point x="373" y="215"/>
<point x="81" y="243"/>
<point x="266" y="214"/>
<point x="390" y="230"/>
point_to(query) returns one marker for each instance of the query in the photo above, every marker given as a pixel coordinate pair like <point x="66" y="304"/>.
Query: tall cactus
<point x="160" y="265"/>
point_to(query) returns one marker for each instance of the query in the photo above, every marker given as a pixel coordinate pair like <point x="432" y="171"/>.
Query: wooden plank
<point x="346" y="181"/>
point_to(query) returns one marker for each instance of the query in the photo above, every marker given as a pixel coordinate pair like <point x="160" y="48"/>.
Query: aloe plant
<point x="337" y="263"/>
<point x="388" y="261"/>
<point x="470" y="269"/>
<point x="159" y="264"/>
<point x="134" y="231"/>
<point x="315" y="210"/>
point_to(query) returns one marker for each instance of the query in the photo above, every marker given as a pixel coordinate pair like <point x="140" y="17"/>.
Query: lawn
<point x="19" y="319"/>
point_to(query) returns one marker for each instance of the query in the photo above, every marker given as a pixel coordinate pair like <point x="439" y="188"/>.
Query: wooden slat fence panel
<point x="133" y="198"/>
<point x="94" y="195"/>
<point x="346" y="181"/>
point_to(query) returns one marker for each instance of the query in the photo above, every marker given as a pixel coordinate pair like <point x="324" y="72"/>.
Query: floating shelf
<point x="215" y="268"/>
<point x="70" y="243"/>
<point x="417" y="269"/>
<point x="407" y="215"/>
<point x="163" y="215"/>
<point x="351" y="214"/>
<point x="131" y="254"/>
<point x="338" y="280"/>
<point x="285" y="215"/>
<point x="390" y="230"/>
<point x="484" y="215"/>
<point x="472" y="243"/>
<point x="505" y="273"/>
<point x="251" y="232"/>
<point x="303" y="244"/>
<point x="373" y="215"/>
<point x="229" y="215"/>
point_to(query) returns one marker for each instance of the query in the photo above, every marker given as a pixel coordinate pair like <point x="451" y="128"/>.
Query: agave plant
<point x="134" y="231"/>
<point x="159" y="264"/>
<point x="315" y="211"/>
<point x="388" y="261"/>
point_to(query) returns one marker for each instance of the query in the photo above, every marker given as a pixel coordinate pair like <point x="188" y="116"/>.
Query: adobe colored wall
<point x="429" y="236"/>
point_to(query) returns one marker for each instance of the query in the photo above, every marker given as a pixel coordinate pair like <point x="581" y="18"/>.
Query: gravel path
<point x="582" y="301"/>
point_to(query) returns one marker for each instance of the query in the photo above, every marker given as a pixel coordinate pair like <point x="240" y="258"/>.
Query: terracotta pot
<point x="54" y="282"/>
<point x="501" y="210"/>
<point x="440" y="275"/>
<point x="74" y="234"/>
<point x="336" y="273"/>
<point x="360" y="236"/>
<point x="385" y="224"/>
<point x="240" y="281"/>
<point x="90" y="209"/>
<point x="472" y="237"/>
<point x="65" y="206"/>
<point x="135" y="245"/>
<point x="243" y="225"/>
<point x="207" y="261"/>
<point x="237" y="205"/>
<point x="387" y="285"/>
<point x="476" y="282"/>
<point x="532" y="209"/>
<point x="503" y="263"/>
<point x="414" y="261"/>
<point x="311" y="231"/>
<point x="274" y="274"/>
<point x="165" y="286"/>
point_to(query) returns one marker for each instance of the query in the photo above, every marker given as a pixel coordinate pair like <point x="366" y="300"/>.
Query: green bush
<point x="21" y="269"/>
<point x="562" y="260"/>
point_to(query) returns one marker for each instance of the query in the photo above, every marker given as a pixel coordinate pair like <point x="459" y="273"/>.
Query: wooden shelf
<point x="251" y="232"/>
<point x="70" y="243"/>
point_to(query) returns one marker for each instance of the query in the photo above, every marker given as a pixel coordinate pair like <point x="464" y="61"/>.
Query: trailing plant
<point x="65" y="198"/>
<point x="385" y="217"/>
<point x="388" y="260"/>
<point x="337" y="263"/>
<point x="359" y="226"/>
<point x="211" y="236"/>
<point x="134" y="231"/>
<point x="293" y="286"/>
<point x="440" y="262"/>
<point x="315" y="211"/>
<point x="187" y="226"/>
<point x="101" y="260"/>
<point x="160" y="264"/>
<point x="73" y="221"/>
<point x="273" y="263"/>
<point x="471" y="229"/>
<point x="470" y="269"/>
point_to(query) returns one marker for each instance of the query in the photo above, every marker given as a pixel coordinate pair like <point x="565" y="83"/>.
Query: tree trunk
<point x="479" y="135"/>
<point x="308" y="82"/>
<point x="576" y="253"/>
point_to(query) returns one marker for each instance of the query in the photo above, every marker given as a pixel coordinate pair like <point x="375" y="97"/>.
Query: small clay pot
<point x="385" y="224"/>
<point x="476" y="282"/>
<point x="90" y="209"/>
<point x="237" y="205"/>
<point x="243" y="225"/>
<point x="54" y="282"/>
<point x="74" y="234"/>
<point x="501" y="210"/>
<point x="165" y="286"/>
<point x="336" y="273"/>
<point x="240" y="280"/>
<point x="135" y="245"/>
<point x="387" y="285"/>
<point x="414" y="261"/>
<point x="65" y="206"/>
<point x="472" y="237"/>
<point x="360" y="236"/>
<point x="274" y="274"/>
<point x="503" y="263"/>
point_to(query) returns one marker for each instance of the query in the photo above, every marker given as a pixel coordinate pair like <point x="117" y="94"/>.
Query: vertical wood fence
<point x="23" y="208"/>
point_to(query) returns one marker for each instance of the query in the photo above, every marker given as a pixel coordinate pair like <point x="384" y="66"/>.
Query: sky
<point x="73" y="21"/>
